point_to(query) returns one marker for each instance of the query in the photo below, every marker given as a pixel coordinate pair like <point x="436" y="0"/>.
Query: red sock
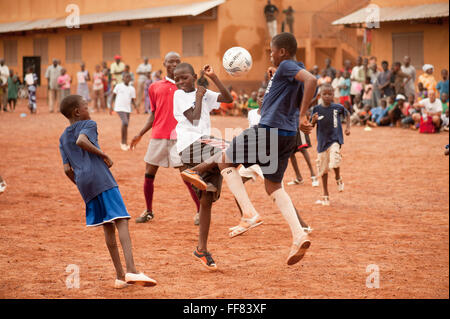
<point x="148" y="191"/>
<point x="193" y="195"/>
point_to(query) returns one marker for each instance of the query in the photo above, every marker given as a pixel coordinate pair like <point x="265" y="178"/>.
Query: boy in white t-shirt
<point x="123" y="96"/>
<point x="192" y="108"/>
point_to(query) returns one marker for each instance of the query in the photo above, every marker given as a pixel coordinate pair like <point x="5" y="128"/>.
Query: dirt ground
<point x="393" y="214"/>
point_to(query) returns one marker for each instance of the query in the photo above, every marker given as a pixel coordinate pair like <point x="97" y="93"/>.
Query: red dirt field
<point x="393" y="213"/>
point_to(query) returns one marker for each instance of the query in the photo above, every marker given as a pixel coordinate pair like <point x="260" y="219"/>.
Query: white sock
<point x="236" y="186"/>
<point x="284" y="203"/>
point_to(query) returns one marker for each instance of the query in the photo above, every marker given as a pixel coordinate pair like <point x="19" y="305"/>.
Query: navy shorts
<point x="264" y="147"/>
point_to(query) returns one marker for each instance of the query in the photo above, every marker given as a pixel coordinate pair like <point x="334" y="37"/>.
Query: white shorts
<point x="163" y="153"/>
<point x="329" y="159"/>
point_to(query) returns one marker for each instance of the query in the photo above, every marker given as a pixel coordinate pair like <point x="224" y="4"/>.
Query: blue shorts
<point x="105" y="208"/>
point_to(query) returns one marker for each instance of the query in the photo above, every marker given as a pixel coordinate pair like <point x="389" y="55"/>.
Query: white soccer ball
<point x="237" y="61"/>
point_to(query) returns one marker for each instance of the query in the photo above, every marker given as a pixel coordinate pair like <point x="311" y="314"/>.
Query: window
<point x="193" y="40"/>
<point x="10" y="52"/>
<point x="410" y="44"/>
<point x="150" y="44"/>
<point x="111" y="45"/>
<point x="41" y="49"/>
<point x="73" y="49"/>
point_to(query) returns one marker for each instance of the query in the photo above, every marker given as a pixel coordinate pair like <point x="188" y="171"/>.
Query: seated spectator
<point x="422" y="93"/>
<point x="242" y="106"/>
<point x="349" y="108"/>
<point x="445" y="122"/>
<point x="430" y="119"/>
<point x="357" y="108"/>
<point x="344" y="87"/>
<point x="335" y="84"/>
<point x="386" y="115"/>
<point x="379" y="112"/>
<point x="395" y="113"/>
<point x="408" y="121"/>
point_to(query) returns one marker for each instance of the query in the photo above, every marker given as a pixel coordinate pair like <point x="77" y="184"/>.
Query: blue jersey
<point x="329" y="126"/>
<point x="92" y="175"/>
<point x="281" y="105"/>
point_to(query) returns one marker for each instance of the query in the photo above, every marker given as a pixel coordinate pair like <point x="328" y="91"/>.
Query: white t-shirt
<point x="188" y="133"/>
<point x="143" y="68"/>
<point x="124" y="95"/>
<point x="435" y="107"/>
<point x="253" y="117"/>
<point x="29" y="79"/>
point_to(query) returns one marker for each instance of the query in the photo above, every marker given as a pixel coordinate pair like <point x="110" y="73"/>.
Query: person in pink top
<point x="162" y="151"/>
<point x="64" y="81"/>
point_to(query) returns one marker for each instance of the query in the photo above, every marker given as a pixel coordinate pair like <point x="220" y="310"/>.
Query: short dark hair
<point x="326" y="86"/>
<point x="397" y="63"/>
<point x="69" y="103"/>
<point x="185" y="65"/>
<point x="385" y="62"/>
<point x="286" y="41"/>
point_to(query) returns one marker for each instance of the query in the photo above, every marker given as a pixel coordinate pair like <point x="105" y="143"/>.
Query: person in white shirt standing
<point x="142" y="71"/>
<point x="123" y="96"/>
<point x="4" y="74"/>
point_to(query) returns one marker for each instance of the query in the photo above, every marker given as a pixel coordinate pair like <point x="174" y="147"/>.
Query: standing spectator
<point x="13" y="88"/>
<point x="157" y="76"/>
<point x="128" y="71"/>
<point x="376" y="94"/>
<point x="4" y="74"/>
<point x="427" y="78"/>
<point x="444" y="101"/>
<point x="117" y="68"/>
<point x="331" y="72"/>
<point x="384" y="81"/>
<point x="271" y="13"/>
<point x="357" y="78"/>
<point x="345" y="89"/>
<point x="124" y="96"/>
<point x="148" y="82"/>
<point x="315" y="71"/>
<point x="400" y="78"/>
<point x="442" y="86"/>
<point x="82" y="78"/>
<point x="347" y="66"/>
<point x="31" y="81"/>
<point x="98" y="89"/>
<point x="324" y="78"/>
<point x="64" y="82"/>
<point x="289" y="12"/>
<point x="52" y="74"/>
<point x="367" y="92"/>
<point x="142" y="72"/>
<point x="337" y="81"/>
<point x="411" y="71"/>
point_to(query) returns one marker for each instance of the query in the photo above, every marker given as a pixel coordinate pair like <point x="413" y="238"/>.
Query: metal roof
<point x="435" y="10"/>
<point x="192" y="9"/>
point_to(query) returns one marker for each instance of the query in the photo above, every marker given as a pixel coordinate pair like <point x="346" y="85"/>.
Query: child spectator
<point x="82" y="78"/>
<point x="123" y="96"/>
<point x="87" y="166"/>
<point x="337" y="81"/>
<point x="64" y="82"/>
<point x="368" y="91"/>
<point x="345" y="89"/>
<point x="443" y="86"/>
<point x="147" y="84"/>
<point x="384" y="80"/>
<point x="379" y="112"/>
<point x="13" y="88"/>
<point x="31" y="81"/>
<point x="444" y="101"/>
<point x="98" y="89"/>
<point x="192" y="108"/>
<point x="253" y="101"/>
<point x="422" y="92"/>
<point x="329" y="140"/>
<point x="357" y="108"/>
<point x="445" y="121"/>
<point x="400" y="78"/>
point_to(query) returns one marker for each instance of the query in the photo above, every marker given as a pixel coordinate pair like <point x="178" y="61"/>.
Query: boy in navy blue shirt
<point x="270" y="144"/>
<point x="87" y="166"/>
<point x="329" y="139"/>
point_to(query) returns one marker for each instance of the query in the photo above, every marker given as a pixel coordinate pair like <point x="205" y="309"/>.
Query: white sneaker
<point x="124" y="147"/>
<point x="325" y="201"/>
<point x="2" y="187"/>
<point x="315" y="181"/>
<point x="139" y="279"/>
<point x="307" y="230"/>
<point x="340" y="185"/>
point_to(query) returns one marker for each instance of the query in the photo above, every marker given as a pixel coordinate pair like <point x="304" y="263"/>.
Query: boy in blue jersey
<point x="87" y="166"/>
<point x="270" y="144"/>
<point x="329" y="139"/>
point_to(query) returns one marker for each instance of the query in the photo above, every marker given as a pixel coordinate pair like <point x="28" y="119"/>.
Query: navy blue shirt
<point x="281" y="105"/>
<point x="329" y="126"/>
<point x="92" y="175"/>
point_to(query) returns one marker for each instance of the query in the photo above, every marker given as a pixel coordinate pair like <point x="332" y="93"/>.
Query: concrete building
<point x="200" y="30"/>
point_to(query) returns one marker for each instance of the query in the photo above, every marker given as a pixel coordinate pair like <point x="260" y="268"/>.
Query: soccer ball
<point x="237" y="61"/>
